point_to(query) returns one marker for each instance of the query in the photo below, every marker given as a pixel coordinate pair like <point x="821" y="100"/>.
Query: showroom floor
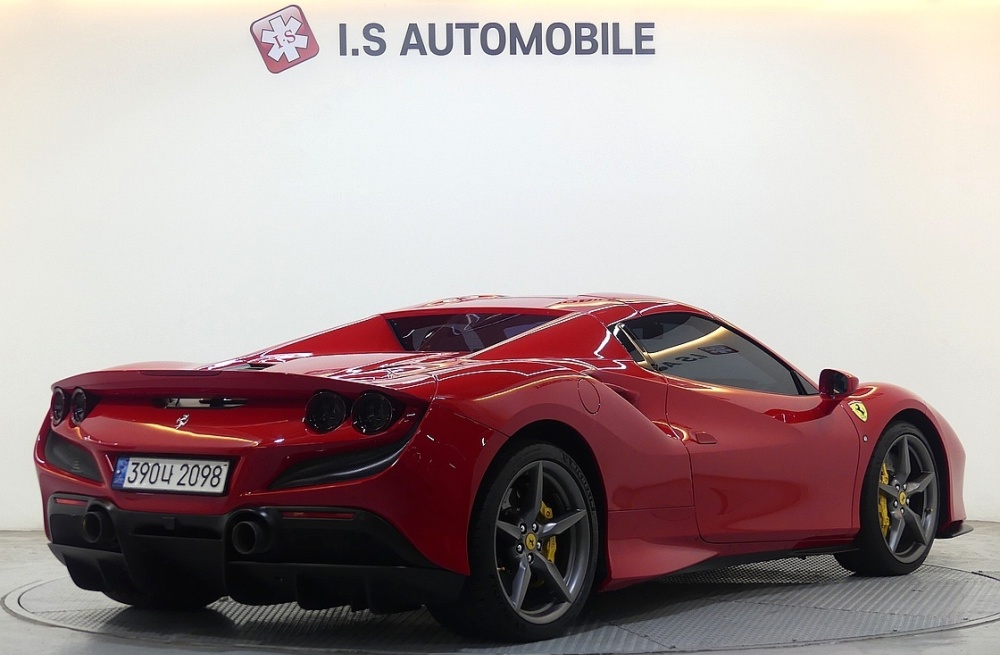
<point x="946" y="607"/>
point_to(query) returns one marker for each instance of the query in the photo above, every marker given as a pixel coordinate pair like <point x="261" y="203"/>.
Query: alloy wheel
<point x="908" y="498"/>
<point x="543" y="547"/>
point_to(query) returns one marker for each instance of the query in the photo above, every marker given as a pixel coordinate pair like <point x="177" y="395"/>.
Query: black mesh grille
<point x="344" y="466"/>
<point x="63" y="454"/>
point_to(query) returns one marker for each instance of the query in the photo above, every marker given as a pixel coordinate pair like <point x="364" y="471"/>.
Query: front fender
<point x="885" y="403"/>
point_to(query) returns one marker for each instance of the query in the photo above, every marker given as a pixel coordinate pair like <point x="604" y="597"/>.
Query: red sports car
<point x="492" y="458"/>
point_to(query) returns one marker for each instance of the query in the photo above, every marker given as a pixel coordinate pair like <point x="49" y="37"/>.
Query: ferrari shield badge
<point x="860" y="410"/>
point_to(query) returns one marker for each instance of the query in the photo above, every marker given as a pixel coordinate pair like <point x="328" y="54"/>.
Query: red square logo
<point x="284" y="39"/>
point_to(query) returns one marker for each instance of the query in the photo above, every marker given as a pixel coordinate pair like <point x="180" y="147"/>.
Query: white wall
<point x="828" y="179"/>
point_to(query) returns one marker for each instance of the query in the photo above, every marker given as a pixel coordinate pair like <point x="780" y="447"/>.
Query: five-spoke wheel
<point x="532" y="549"/>
<point x="899" y="505"/>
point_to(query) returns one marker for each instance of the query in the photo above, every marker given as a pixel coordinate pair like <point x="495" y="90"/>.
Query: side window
<point x="692" y="347"/>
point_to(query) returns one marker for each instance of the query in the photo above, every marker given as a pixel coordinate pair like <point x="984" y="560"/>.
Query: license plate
<point x="190" y="476"/>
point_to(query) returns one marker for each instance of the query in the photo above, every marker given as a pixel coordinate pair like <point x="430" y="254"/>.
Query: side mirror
<point x="835" y="384"/>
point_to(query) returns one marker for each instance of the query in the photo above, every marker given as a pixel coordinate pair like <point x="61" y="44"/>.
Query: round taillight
<point x="58" y="407"/>
<point x="373" y="413"/>
<point x="325" y="411"/>
<point x="78" y="406"/>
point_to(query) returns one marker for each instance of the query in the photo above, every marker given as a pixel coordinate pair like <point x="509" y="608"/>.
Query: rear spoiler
<point x="202" y="383"/>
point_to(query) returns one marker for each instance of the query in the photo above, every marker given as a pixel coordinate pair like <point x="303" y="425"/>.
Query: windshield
<point x="461" y="332"/>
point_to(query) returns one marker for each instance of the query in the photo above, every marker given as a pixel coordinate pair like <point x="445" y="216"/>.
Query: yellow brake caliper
<point x="549" y="547"/>
<point x="883" y="506"/>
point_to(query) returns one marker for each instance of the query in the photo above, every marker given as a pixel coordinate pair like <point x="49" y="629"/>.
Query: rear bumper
<point x="426" y="494"/>
<point x="316" y="556"/>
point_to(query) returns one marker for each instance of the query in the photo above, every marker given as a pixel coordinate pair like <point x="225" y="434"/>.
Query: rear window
<point x="461" y="332"/>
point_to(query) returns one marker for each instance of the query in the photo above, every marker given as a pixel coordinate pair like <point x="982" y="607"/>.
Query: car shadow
<point x="607" y="616"/>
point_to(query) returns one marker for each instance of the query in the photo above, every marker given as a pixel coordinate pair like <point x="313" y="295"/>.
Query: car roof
<point x="601" y="304"/>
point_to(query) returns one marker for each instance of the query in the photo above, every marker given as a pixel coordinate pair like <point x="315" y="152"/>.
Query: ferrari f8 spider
<point x="495" y="459"/>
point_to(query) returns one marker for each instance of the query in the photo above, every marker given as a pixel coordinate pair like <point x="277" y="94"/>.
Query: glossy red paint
<point x="685" y="472"/>
<point x="767" y="472"/>
<point x="888" y="402"/>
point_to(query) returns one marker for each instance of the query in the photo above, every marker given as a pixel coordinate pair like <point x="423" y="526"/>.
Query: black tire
<point x="899" y="505"/>
<point x="533" y="549"/>
<point x="181" y="603"/>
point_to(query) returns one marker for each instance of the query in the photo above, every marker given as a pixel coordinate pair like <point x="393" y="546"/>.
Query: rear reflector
<point x="76" y="502"/>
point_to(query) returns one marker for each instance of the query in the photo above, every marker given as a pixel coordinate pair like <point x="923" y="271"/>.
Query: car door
<point x="771" y="459"/>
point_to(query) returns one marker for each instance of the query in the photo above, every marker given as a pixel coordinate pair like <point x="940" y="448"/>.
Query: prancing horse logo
<point x="182" y="421"/>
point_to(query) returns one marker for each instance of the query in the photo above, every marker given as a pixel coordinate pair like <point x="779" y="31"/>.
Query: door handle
<point x="703" y="438"/>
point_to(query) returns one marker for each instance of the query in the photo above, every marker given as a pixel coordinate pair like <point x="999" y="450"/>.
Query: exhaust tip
<point x="249" y="538"/>
<point x="97" y="527"/>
